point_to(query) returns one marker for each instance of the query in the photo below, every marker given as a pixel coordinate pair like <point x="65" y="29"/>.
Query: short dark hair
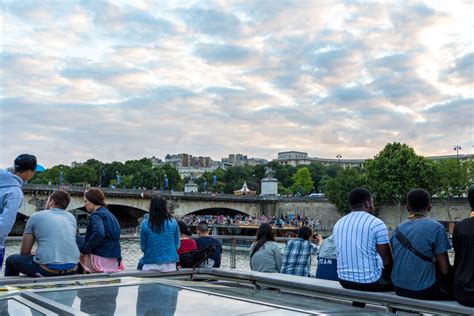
<point x="203" y="227"/>
<point x="61" y="199"/>
<point x="183" y="228"/>
<point x="304" y="232"/>
<point x="418" y="200"/>
<point x="470" y="197"/>
<point x="358" y="196"/>
<point x="25" y="162"/>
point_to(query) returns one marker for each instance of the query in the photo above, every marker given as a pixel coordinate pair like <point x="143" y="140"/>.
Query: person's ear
<point x="429" y="208"/>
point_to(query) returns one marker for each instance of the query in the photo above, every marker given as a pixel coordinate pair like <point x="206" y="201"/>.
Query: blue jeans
<point x="16" y="264"/>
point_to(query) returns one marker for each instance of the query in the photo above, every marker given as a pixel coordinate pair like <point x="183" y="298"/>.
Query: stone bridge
<point x="130" y="205"/>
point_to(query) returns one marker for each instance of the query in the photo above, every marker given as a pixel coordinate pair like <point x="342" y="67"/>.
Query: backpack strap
<point x="407" y="244"/>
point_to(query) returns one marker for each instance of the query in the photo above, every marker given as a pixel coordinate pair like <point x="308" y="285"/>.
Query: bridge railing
<point x="146" y="193"/>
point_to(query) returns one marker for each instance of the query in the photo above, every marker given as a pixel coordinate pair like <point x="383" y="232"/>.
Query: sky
<point x="123" y="80"/>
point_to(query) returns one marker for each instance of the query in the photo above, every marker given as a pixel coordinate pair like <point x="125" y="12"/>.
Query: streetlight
<point x="338" y="157"/>
<point x="457" y="148"/>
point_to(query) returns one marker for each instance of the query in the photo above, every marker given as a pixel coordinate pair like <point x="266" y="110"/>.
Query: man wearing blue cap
<point x="11" y="195"/>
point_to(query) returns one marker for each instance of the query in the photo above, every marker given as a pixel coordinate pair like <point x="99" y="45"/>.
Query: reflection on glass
<point x="157" y="299"/>
<point x="12" y="307"/>
<point x="102" y="302"/>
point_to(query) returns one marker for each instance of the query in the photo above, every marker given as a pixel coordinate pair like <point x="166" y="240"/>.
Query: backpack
<point x="194" y="258"/>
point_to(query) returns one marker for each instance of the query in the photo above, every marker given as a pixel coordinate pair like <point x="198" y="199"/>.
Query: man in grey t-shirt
<point x="55" y="232"/>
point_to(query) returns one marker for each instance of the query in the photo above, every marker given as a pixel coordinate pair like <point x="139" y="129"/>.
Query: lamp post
<point x="457" y="148"/>
<point x="61" y="175"/>
<point x="117" y="176"/>
<point x="338" y="159"/>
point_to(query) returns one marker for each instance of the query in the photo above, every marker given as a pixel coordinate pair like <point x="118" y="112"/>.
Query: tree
<point x="337" y="189"/>
<point x="397" y="169"/>
<point x="302" y="182"/>
<point x="82" y="174"/>
<point x="453" y="177"/>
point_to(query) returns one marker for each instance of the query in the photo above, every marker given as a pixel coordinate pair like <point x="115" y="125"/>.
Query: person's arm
<point x="443" y="263"/>
<point x="143" y="236"/>
<point x="8" y="216"/>
<point x="27" y="243"/>
<point x="385" y="253"/>
<point x="98" y="234"/>
<point x="277" y="255"/>
<point x="383" y="246"/>
<point x="177" y="239"/>
<point x="441" y="247"/>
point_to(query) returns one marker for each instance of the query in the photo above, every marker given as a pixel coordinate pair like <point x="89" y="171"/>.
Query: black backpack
<point x="194" y="258"/>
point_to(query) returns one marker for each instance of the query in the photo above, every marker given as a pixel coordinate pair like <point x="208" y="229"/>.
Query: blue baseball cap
<point x="27" y="162"/>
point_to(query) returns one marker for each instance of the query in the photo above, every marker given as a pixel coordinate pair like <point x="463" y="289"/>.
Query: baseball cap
<point x="27" y="162"/>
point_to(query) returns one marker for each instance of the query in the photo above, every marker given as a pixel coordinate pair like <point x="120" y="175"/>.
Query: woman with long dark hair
<point x="100" y="251"/>
<point x="159" y="238"/>
<point x="265" y="253"/>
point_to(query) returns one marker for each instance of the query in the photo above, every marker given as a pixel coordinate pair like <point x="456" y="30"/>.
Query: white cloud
<point x="121" y="80"/>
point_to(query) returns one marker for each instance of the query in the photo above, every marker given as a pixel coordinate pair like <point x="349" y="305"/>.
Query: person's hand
<point x="33" y="252"/>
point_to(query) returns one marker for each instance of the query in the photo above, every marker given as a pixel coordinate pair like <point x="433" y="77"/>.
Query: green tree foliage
<point x="452" y="177"/>
<point x="337" y="189"/>
<point x="302" y="182"/>
<point x="397" y="169"/>
<point x="81" y="175"/>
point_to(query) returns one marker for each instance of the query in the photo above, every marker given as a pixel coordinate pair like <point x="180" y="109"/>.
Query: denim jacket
<point x="102" y="235"/>
<point x="159" y="247"/>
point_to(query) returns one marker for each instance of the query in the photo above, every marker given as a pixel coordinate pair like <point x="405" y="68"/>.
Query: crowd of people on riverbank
<point x="289" y="220"/>
<point x="359" y="254"/>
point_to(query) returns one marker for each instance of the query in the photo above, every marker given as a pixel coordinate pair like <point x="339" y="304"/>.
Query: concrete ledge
<point x="332" y="289"/>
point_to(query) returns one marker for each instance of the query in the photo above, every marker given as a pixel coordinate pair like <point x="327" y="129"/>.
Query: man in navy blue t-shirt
<point x="205" y="240"/>
<point x="413" y="276"/>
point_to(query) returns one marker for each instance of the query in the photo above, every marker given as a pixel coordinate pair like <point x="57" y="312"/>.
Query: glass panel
<point x="13" y="307"/>
<point x="155" y="299"/>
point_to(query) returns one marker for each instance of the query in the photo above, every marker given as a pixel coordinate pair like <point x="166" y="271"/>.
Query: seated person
<point x="186" y="243"/>
<point x="414" y="274"/>
<point x="265" y="253"/>
<point x="327" y="260"/>
<point x="364" y="259"/>
<point x="205" y="240"/>
<point x="463" y="244"/>
<point x="55" y="232"/>
<point x="298" y="251"/>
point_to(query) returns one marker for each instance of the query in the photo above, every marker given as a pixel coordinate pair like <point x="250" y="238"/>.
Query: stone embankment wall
<point x="447" y="211"/>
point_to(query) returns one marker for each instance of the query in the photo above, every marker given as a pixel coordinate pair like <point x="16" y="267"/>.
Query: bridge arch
<point x="217" y="211"/>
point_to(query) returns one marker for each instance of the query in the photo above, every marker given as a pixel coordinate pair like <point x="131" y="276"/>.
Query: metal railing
<point x="235" y="250"/>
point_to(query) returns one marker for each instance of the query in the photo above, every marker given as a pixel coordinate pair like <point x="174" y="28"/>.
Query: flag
<point x="214" y="180"/>
<point x="61" y="177"/>
<point x="166" y="183"/>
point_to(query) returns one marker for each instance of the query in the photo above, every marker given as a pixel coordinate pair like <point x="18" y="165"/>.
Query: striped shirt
<point x="356" y="236"/>
<point x="297" y="259"/>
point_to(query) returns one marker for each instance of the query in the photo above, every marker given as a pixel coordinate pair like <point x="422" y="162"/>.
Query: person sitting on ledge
<point x="204" y="240"/>
<point x="364" y="259"/>
<point x="55" y="232"/>
<point x="463" y="244"/>
<point x="298" y="251"/>
<point x="419" y="245"/>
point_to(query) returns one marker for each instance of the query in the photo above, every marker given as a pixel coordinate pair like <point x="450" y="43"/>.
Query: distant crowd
<point x="359" y="254"/>
<point x="287" y="220"/>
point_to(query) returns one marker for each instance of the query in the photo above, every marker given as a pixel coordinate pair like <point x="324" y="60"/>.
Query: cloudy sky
<point x="124" y="80"/>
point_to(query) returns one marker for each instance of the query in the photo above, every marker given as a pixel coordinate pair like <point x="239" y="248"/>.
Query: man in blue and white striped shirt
<point x="364" y="258"/>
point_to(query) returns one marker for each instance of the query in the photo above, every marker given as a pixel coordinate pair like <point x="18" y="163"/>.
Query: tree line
<point x="389" y="175"/>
